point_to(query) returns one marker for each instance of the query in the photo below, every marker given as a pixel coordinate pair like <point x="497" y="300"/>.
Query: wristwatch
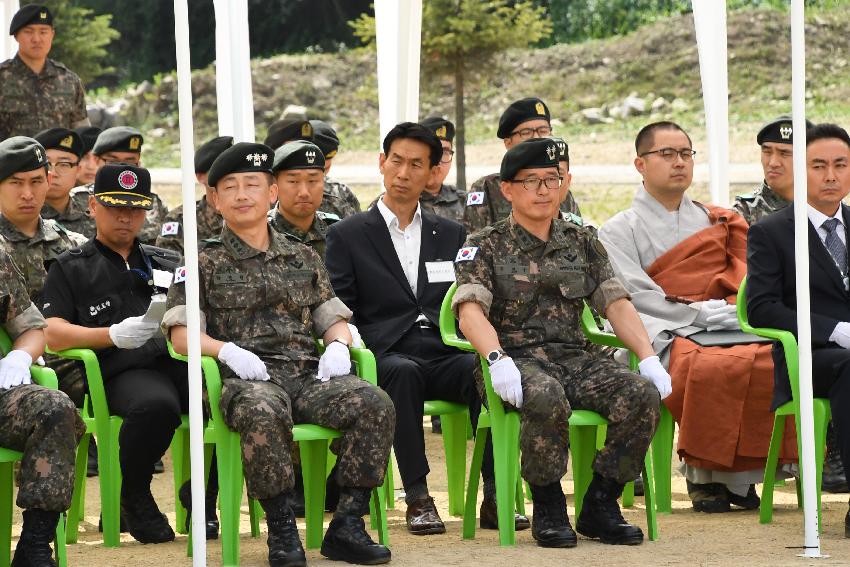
<point x="495" y="355"/>
<point x="342" y="342"/>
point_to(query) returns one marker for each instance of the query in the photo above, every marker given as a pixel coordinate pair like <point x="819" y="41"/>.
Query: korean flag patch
<point x="475" y="198"/>
<point x="180" y="274"/>
<point x="170" y="228"/>
<point x="466" y="254"/>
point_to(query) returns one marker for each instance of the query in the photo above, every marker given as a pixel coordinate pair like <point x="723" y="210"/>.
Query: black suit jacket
<point x="771" y="287"/>
<point x="367" y="275"/>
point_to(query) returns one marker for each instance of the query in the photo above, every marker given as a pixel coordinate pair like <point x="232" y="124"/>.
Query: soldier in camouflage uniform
<point x="270" y="296"/>
<point x="88" y="163"/>
<point x="522" y="283"/>
<point x="64" y="149"/>
<point x="338" y="198"/>
<point x="524" y="119"/>
<point x="37" y="92"/>
<point x="209" y="220"/>
<point x="42" y="423"/>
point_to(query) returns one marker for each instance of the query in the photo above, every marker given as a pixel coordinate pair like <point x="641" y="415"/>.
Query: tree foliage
<point x="81" y="39"/>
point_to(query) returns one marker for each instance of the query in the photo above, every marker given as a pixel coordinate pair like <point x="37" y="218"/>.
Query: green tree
<point x="460" y="38"/>
<point x="81" y="39"/>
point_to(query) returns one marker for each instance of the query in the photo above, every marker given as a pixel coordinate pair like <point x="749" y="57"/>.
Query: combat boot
<point x="550" y="525"/>
<point x="601" y="517"/>
<point x="346" y="538"/>
<point x="38" y="531"/>
<point x="144" y="520"/>
<point x="285" y="548"/>
<point x="211" y="520"/>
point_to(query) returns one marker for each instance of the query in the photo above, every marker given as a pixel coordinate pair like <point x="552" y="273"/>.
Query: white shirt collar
<point x="390" y="217"/>
<point x="817" y="218"/>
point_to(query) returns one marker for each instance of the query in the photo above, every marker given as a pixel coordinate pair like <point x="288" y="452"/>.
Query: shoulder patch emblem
<point x="170" y="228"/>
<point x="180" y="274"/>
<point x="475" y="198"/>
<point x="466" y="254"/>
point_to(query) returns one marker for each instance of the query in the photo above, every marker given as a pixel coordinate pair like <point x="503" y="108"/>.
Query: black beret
<point x="287" y="130"/>
<point x="89" y="136"/>
<point x="531" y="154"/>
<point x="239" y="158"/>
<point x="325" y="137"/>
<point x="123" y="185"/>
<point x="443" y="128"/>
<point x="209" y="150"/>
<point x="563" y="149"/>
<point x="118" y="139"/>
<point x="779" y="130"/>
<point x="298" y="155"/>
<point x="20" y="153"/>
<point x="61" y="139"/>
<point x="30" y="14"/>
<point x="519" y="112"/>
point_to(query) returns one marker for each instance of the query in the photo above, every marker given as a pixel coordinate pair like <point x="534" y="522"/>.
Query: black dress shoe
<point x="489" y="517"/>
<point x="749" y="502"/>
<point x="347" y="540"/>
<point x="710" y="498"/>
<point x="638" y="486"/>
<point x="422" y="518"/>
<point x="211" y="522"/>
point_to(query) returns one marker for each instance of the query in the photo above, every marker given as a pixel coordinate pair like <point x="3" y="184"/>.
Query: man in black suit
<point x="771" y="290"/>
<point x="392" y="266"/>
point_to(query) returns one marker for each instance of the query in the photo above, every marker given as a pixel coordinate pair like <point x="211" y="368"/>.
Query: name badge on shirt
<point x="439" y="272"/>
<point x="161" y="278"/>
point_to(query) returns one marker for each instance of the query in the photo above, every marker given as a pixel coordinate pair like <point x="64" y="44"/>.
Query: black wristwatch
<point x="494" y="356"/>
<point x="342" y="342"/>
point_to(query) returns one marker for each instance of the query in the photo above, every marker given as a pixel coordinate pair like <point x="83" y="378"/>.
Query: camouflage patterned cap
<point x="28" y="15"/>
<point x="122" y="185"/>
<point x="535" y="153"/>
<point x="239" y="158"/>
<point x="298" y="155"/>
<point x="288" y="130"/>
<point x="521" y="111"/>
<point x="325" y="137"/>
<point x="20" y="153"/>
<point x="118" y="139"/>
<point x="209" y="150"/>
<point x="61" y="139"/>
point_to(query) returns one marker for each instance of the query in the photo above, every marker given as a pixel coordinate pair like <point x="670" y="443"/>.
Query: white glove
<point x="356" y="340"/>
<point x="244" y="363"/>
<point x="506" y="381"/>
<point x="132" y="332"/>
<point x="336" y="361"/>
<point x="841" y="335"/>
<point x="650" y="367"/>
<point x="15" y="369"/>
<point x="715" y="315"/>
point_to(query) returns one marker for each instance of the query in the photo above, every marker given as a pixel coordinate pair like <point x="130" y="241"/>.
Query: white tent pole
<point x="8" y="46"/>
<point x="811" y="540"/>
<point x="193" y="315"/>
<point x="223" y="74"/>
<point x="243" y="99"/>
<point x="710" y="26"/>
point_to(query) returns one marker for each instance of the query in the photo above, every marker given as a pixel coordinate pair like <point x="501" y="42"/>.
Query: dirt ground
<point x="686" y="537"/>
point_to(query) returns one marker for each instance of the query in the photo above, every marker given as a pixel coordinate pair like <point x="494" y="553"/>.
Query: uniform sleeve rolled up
<point x="31" y="318"/>
<point x="177" y="316"/>
<point x="328" y="313"/>
<point x="472" y="292"/>
<point x="607" y="293"/>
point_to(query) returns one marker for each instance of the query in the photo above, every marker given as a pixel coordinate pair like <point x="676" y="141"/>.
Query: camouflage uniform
<point x="449" y="203"/>
<point x="153" y="218"/>
<point x="758" y="204"/>
<point x="209" y="225"/>
<point x="533" y="293"/>
<point x="76" y="216"/>
<point x="314" y="238"/>
<point x="339" y="199"/>
<point x="30" y="103"/>
<point x="270" y="303"/>
<point x="486" y="205"/>
<point x="43" y="424"/>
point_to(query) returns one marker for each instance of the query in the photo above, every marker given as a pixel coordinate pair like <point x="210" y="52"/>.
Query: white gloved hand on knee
<point x="651" y="369"/>
<point x="506" y="380"/>
<point x="244" y="363"/>
<point x="15" y="369"/>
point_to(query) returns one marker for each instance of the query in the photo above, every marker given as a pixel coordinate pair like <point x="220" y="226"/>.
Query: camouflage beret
<point x="61" y="139"/>
<point x="240" y="158"/>
<point x="209" y="150"/>
<point x="118" y="139"/>
<point x="123" y="185"/>
<point x="288" y="130"/>
<point x="535" y="153"/>
<point x="30" y="14"/>
<point x="20" y="153"/>
<point x="519" y="112"/>
<point x="779" y="130"/>
<point x="325" y="137"/>
<point x="298" y="155"/>
<point x="89" y="136"/>
<point x="443" y="128"/>
<point x="563" y="149"/>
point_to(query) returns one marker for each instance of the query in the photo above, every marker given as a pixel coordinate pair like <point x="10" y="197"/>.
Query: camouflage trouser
<point x="263" y="414"/>
<point x="45" y="426"/>
<point x="550" y="391"/>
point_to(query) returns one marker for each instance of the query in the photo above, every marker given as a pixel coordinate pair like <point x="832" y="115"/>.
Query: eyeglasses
<point x="525" y="133"/>
<point x="447" y="156"/>
<point x="669" y="154"/>
<point x="534" y="183"/>
<point x="62" y="167"/>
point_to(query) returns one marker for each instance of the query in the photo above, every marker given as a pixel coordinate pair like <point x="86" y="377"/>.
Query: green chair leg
<point x="662" y="456"/>
<point x="629" y="495"/>
<point x="583" y="450"/>
<point x="76" y="512"/>
<point x="520" y="493"/>
<point x="7" y="499"/>
<point x="180" y="461"/>
<point x="469" y="514"/>
<point x="378" y="515"/>
<point x="766" y="505"/>
<point x="59" y="550"/>
<point x="649" y="497"/>
<point x="229" y="462"/>
<point x="110" y="483"/>
<point x="505" y="432"/>
<point x="313" y="463"/>
<point x="389" y="485"/>
<point x="454" y="443"/>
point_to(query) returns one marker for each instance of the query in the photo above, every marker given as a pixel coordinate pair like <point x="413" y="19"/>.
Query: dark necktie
<point x="837" y="249"/>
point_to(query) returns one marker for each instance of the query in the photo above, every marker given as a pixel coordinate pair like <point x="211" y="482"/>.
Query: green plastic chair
<point x="313" y="444"/>
<point x="662" y="457"/>
<point x="585" y="433"/>
<point x="822" y="414"/>
<point x="47" y="378"/>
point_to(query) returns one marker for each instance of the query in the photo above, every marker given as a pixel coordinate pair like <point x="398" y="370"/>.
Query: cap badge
<point x="306" y="129"/>
<point x="43" y="15"/>
<point x="128" y="180"/>
<point x="541" y="110"/>
<point x="441" y="132"/>
<point x="38" y="155"/>
<point x="785" y="132"/>
<point x="551" y="151"/>
<point x="135" y="142"/>
<point x="311" y="156"/>
<point x="258" y="159"/>
<point x="67" y="142"/>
